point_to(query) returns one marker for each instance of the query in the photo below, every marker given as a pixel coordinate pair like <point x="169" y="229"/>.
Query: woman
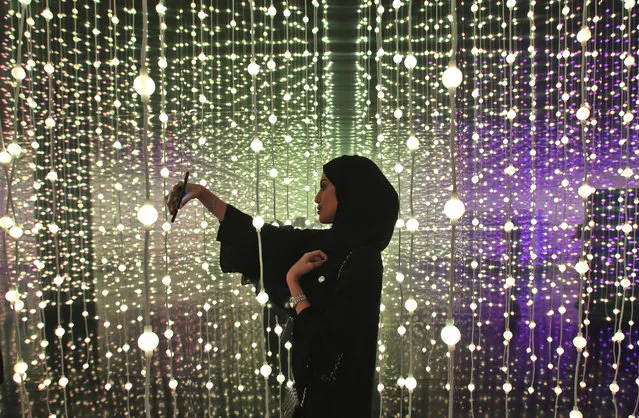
<point x="331" y="280"/>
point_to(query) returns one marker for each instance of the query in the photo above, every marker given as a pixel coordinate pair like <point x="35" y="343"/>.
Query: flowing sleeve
<point x="281" y="247"/>
<point x="326" y="339"/>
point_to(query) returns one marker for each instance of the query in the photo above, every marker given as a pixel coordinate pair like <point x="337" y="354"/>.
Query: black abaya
<point x="334" y="340"/>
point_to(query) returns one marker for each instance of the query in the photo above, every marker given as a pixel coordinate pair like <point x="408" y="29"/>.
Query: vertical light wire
<point x="53" y="227"/>
<point x="532" y="289"/>
<point x="563" y="74"/>
<point x="453" y="222"/>
<point x="14" y="224"/>
<point x="509" y="226"/>
<point x="265" y="367"/>
<point x="476" y="181"/>
<point x="379" y="27"/>
<point x="584" y="191"/>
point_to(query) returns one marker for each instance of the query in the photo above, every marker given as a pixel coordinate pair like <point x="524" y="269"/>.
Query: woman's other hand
<point x="308" y="262"/>
<point x="192" y="192"/>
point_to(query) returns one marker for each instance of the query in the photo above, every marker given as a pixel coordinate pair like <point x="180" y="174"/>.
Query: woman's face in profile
<point x="326" y="201"/>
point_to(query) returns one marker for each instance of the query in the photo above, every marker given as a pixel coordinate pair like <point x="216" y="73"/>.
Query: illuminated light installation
<point x="544" y="100"/>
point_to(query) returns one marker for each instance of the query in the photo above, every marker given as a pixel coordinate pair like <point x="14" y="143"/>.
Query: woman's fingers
<point x="172" y="198"/>
<point x="316" y="257"/>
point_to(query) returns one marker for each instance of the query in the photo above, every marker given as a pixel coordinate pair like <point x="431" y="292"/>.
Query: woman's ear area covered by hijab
<point x="368" y="203"/>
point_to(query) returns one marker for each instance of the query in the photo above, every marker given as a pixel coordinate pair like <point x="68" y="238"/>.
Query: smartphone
<point x="180" y="196"/>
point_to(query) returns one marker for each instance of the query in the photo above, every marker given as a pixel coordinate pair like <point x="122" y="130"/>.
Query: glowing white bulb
<point x="144" y="85"/>
<point x="579" y="342"/>
<point x="585" y="190"/>
<point x="54" y="228"/>
<point x="450" y="334"/>
<point x="63" y="381"/>
<point x="18" y="73"/>
<point x="16" y="232"/>
<point x="19" y="305"/>
<point x="583" y="113"/>
<point x="49" y="122"/>
<point x="397" y="4"/>
<point x="253" y="69"/>
<point x="510" y="58"/>
<point x="12" y="295"/>
<point x="5" y="158"/>
<point x="258" y="222"/>
<point x="510" y="4"/>
<point x="507" y="387"/>
<point x="398" y="168"/>
<point x="412" y="143"/>
<point x="629" y="61"/>
<point x="398" y="113"/>
<point x="47" y="14"/>
<point x="173" y="384"/>
<point x="20" y="367"/>
<point x="58" y="280"/>
<point x="148" y="340"/>
<point x="162" y="63"/>
<point x="509" y="226"/>
<point x="272" y="11"/>
<point x="256" y="145"/>
<point x="454" y="208"/>
<point x="626" y="228"/>
<point x="59" y="332"/>
<point x="575" y="414"/>
<point x="412" y="224"/>
<point x="582" y="267"/>
<point x="452" y="77"/>
<point x="6" y="222"/>
<point x="262" y="298"/>
<point x="627" y="172"/>
<point x="614" y="387"/>
<point x="14" y="149"/>
<point x="628" y="117"/>
<point x="272" y="119"/>
<point x="410" y="61"/>
<point x="399" y="277"/>
<point x="508" y="335"/>
<point x="583" y="35"/>
<point x="160" y="8"/>
<point x="147" y="214"/>
<point x="410" y="383"/>
<point x="49" y="68"/>
<point x="265" y="370"/>
<point x="410" y="305"/>
<point x="397" y="58"/>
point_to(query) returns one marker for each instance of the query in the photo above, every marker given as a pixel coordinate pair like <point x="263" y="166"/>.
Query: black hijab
<point x="367" y="204"/>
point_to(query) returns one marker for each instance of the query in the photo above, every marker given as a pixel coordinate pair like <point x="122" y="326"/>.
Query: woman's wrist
<point x="214" y="204"/>
<point x="292" y="278"/>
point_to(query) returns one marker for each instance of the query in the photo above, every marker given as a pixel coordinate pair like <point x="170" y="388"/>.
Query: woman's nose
<point x="317" y="198"/>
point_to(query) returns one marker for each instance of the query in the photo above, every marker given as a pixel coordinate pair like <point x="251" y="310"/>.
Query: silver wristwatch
<point x="294" y="300"/>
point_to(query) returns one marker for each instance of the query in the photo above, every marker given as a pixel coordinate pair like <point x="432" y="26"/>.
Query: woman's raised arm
<point x="214" y="204"/>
